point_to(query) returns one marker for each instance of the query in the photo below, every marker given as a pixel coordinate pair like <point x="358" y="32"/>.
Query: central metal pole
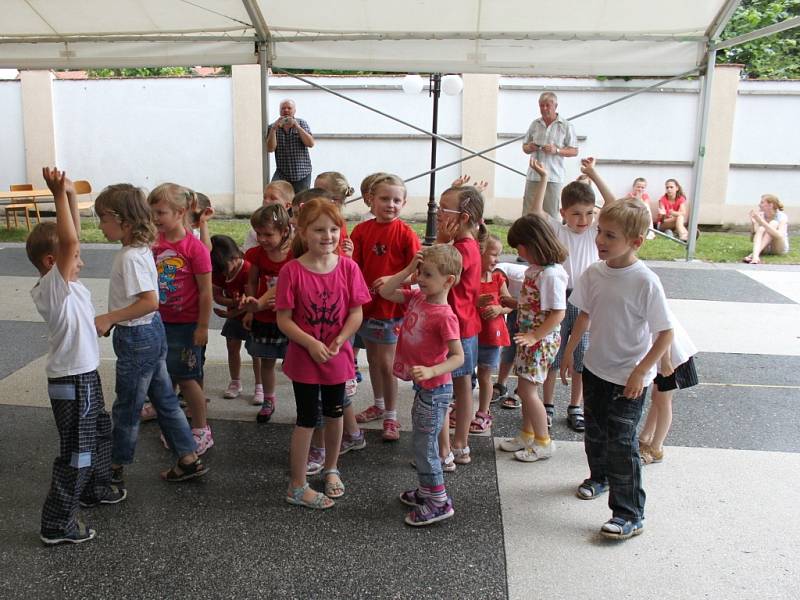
<point x="430" y="227"/>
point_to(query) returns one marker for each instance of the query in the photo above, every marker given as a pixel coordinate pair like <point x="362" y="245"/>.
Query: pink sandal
<point x="481" y="423"/>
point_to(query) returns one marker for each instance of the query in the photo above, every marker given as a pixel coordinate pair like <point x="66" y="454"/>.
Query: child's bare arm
<point x="541" y="187"/>
<point x="204" y="308"/>
<point x="551" y="321"/>
<point x="72" y="197"/>
<point x="588" y="169"/>
<point x="635" y="383"/>
<point x="351" y="325"/>
<point x="390" y="288"/>
<point x="145" y="303"/>
<point x="455" y="358"/>
<point x="68" y="243"/>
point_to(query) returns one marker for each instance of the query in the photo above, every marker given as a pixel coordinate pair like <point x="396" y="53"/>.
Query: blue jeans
<point x="611" y="443"/>
<point x="142" y="372"/>
<point x="427" y="417"/>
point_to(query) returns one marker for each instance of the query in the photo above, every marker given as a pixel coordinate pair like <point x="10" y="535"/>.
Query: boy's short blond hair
<point x="284" y="189"/>
<point x="43" y="240"/>
<point x="446" y="259"/>
<point x="630" y="214"/>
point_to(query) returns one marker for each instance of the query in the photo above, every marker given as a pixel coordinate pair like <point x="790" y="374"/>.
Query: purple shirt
<point x="320" y="304"/>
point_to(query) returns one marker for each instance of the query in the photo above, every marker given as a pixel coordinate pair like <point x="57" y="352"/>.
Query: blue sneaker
<point x="429" y="513"/>
<point x="620" y="529"/>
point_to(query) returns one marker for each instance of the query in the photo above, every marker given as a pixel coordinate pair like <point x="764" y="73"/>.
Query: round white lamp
<point x="412" y="84"/>
<point x="452" y="85"/>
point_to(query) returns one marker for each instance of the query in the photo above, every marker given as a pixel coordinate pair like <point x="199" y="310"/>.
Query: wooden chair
<point x="84" y="187"/>
<point x="13" y="209"/>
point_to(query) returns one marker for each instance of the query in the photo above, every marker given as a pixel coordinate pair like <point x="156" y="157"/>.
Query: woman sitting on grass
<point x="770" y="229"/>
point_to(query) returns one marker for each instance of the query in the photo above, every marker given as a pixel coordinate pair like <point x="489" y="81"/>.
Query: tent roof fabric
<point x="534" y="37"/>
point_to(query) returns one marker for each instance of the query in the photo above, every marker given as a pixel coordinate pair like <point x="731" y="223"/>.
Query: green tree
<point x="773" y="57"/>
<point x="143" y="72"/>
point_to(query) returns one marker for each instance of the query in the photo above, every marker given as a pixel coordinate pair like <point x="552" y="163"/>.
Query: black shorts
<point x="684" y="376"/>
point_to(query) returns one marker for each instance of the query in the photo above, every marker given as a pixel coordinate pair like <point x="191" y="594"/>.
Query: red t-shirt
<point x="342" y="238"/>
<point x="463" y="296"/>
<point x="423" y="338"/>
<point x="382" y="249"/>
<point x="177" y="264"/>
<point x="665" y="203"/>
<point x="493" y="331"/>
<point x="267" y="277"/>
<point x="233" y="288"/>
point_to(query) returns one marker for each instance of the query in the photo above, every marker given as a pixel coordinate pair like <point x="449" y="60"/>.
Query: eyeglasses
<point x="448" y="210"/>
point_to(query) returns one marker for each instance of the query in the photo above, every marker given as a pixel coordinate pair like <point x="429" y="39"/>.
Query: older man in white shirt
<point x="550" y="138"/>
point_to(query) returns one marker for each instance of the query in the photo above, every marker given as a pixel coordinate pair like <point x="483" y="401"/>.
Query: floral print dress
<point x="533" y="362"/>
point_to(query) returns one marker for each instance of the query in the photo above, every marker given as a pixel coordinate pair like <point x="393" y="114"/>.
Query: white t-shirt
<point x="133" y="272"/>
<point x="67" y="309"/>
<point x="681" y="348"/>
<point x="580" y="246"/>
<point x="552" y="284"/>
<point x="625" y="306"/>
<point x="781" y="217"/>
<point x="516" y="276"/>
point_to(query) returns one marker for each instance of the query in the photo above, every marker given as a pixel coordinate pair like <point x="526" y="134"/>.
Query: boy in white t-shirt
<point x="631" y="328"/>
<point x="575" y="229"/>
<point x="82" y="470"/>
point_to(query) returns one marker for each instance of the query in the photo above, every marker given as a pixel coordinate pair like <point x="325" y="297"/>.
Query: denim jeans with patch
<point x="427" y="416"/>
<point x="141" y="373"/>
<point x="611" y="443"/>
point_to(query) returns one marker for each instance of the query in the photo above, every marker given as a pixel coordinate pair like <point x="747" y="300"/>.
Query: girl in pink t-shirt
<point x="184" y="292"/>
<point x="673" y="211"/>
<point x="461" y="222"/>
<point x="318" y="304"/>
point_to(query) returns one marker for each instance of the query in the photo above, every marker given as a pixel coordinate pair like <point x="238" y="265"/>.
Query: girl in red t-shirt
<point x="230" y="272"/>
<point x="266" y="341"/>
<point x="461" y="222"/>
<point x="494" y="333"/>
<point x="673" y="210"/>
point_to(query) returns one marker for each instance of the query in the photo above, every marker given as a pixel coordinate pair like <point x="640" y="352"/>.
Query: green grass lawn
<point x="712" y="246"/>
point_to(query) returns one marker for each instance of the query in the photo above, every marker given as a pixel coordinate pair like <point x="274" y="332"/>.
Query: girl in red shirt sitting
<point x="673" y="210"/>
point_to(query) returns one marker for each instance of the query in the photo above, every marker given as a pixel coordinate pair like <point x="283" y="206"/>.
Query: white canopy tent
<point x="536" y="37"/>
<point x="531" y="37"/>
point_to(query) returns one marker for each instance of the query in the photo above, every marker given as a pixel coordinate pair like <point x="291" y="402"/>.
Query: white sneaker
<point x="512" y="444"/>
<point x="233" y="390"/>
<point x="535" y="452"/>
<point x="350" y="388"/>
<point x="258" y="397"/>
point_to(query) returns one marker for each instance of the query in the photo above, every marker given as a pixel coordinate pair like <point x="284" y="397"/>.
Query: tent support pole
<point x="702" y="136"/>
<point x="263" y="63"/>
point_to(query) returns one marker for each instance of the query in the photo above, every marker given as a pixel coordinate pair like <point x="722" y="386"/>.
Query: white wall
<point x="766" y="131"/>
<point x="12" y="148"/>
<point x="146" y="132"/>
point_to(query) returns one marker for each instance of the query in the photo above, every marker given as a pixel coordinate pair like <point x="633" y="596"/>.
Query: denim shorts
<point x="380" y="331"/>
<point x="509" y="352"/>
<point x="266" y="341"/>
<point x="184" y="359"/>
<point x="489" y="357"/>
<point x="233" y="329"/>
<point x="470" y="346"/>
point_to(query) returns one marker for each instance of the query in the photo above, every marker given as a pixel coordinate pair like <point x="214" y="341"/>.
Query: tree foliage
<point x="773" y="57"/>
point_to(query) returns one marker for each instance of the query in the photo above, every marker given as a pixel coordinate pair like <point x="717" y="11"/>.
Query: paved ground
<point x="721" y="517"/>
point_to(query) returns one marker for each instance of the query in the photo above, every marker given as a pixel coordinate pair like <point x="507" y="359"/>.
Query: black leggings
<point x="311" y="398"/>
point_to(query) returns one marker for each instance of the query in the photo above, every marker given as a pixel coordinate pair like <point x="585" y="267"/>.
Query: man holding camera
<point x="290" y="138"/>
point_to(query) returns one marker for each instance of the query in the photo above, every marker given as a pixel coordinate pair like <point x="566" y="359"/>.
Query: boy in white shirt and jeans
<point x="82" y="470"/>
<point x="626" y="305"/>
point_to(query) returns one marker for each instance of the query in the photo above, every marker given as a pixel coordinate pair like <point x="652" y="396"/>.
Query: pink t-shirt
<point x="320" y="304"/>
<point x="177" y="264"/>
<point x="424" y="334"/>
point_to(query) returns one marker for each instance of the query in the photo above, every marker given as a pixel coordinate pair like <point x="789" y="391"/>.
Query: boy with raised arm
<point x="82" y="470"/>
<point x="631" y="327"/>
<point x="577" y="233"/>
